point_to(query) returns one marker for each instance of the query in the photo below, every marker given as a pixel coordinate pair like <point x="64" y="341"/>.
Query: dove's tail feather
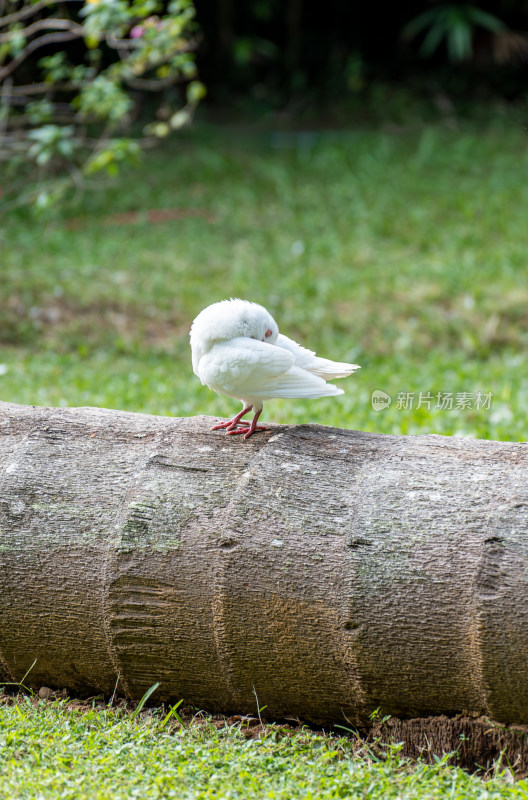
<point x="328" y="370"/>
<point x="322" y="367"/>
<point x="297" y="382"/>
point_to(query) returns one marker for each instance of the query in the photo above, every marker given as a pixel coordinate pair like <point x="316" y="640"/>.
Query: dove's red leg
<point x="252" y="428"/>
<point x="230" y="424"/>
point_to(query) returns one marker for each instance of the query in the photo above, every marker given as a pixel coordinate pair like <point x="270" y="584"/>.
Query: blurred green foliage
<point x="300" y="57"/>
<point x="453" y="24"/>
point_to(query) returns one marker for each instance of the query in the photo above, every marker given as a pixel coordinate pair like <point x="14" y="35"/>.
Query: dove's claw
<point x="232" y="424"/>
<point x="229" y="425"/>
<point x="247" y="431"/>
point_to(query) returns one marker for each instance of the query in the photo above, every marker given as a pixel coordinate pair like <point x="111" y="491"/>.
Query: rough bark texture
<point x="331" y="571"/>
<point x="472" y="742"/>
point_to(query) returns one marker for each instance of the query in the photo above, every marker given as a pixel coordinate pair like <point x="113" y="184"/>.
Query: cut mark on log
<point x="228" y="543"/>
<point x="139" y="608"/>
<point x="489" y="578"/>
<point x="160" y="460"/>
<point x="352" y="625"/>
<point x="137" y="524"/>
<point x="356" y="542"/>
<point x="228" y="520"/>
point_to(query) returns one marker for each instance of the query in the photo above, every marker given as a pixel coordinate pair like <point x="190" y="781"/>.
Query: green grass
<point x="59" y="749"/>
<point x="404" y="253"/>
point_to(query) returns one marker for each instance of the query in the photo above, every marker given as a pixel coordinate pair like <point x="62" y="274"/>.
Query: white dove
<point x="237" y="350"/>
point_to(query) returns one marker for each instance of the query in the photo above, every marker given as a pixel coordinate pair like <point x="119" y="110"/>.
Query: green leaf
<point x="418" y="24"/>
<point x="455" y="25"/>
<point x="173" y="713"/>
<point x="144" y="699"/>
<point x="196" y="91"/>
<point x="433" y="38"/>
<point x="459" y="45"/>
<point x="180" y="119"/>
<point x="486" y="20"/>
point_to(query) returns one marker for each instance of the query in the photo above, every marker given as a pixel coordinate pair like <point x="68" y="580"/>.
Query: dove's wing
<point x="247" y="368"/>
<point x="243" y="363"/>
<point x="306" y="359"/>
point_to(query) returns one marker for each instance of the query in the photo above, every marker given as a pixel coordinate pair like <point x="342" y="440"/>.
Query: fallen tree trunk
<point x="329" y="572"/>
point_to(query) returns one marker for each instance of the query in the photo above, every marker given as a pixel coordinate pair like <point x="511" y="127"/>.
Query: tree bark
<point x="328" y="572"/>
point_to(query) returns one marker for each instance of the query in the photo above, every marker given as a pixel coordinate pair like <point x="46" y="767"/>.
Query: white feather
<point x="319" y="366"/>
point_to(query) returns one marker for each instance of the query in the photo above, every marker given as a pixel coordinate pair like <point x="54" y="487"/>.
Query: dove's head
<point x="229" y="319"/>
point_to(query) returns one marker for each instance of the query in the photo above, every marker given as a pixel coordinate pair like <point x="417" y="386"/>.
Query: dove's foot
<point x="251" y="429"/>
<point x="232" y="424"/>
<point x="228" y="425"/>
<point x="247" y="431"/>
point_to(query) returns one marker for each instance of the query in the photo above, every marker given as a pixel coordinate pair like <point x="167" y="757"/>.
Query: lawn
<point x="403" y="251"/>
<point x="52" y="749"/>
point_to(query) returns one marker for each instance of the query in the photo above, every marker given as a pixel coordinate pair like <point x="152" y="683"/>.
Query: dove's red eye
<point x="268" y="333"/>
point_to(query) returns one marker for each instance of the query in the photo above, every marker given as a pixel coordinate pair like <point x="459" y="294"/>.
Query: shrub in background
<point x="75" y="76"/>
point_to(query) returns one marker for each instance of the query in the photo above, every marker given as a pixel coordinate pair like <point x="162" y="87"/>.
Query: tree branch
<point x="53" y="23"/>
<point x="5" y="99"/>
<point x="39" y="88"/>
<point x="49" y="38"/>
<point x="151" y="84"/>
<point x="28" y="11"/>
